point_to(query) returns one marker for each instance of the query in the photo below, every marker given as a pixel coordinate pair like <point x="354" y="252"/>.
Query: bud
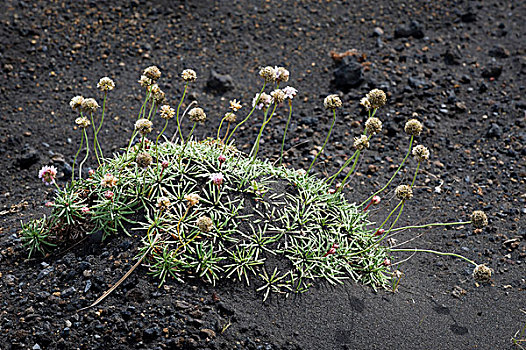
<point x="380" y="232"/>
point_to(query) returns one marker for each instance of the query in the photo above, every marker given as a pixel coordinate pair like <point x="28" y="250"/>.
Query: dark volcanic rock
<point x="348" y="74"/>
<point x="493" y="71"/>
<point x="499" y="51"/>
<point x="219" y="83"/>
<point x="414" y="29"/>
<point x="28" y="157"/>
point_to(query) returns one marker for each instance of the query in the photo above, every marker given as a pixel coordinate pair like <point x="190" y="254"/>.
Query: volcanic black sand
<point x="458" y="66"/>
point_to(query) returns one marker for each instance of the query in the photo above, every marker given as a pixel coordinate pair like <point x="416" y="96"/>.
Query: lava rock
<point x="418" y="83"/>
<point x="468" y="17"/>
<point x="414" y="29"/>
<point x="452" y="57"/>
<point x="219" y="83"/>
<point x="492" y="72"/>
<point x="28" y="157"/>
<point x="499" y="51"/>
<point x="494" y="131"/>
<point x="348" y="74"/>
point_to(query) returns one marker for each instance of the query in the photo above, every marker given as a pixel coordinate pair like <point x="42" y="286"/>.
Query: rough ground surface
<point x="460" y="69"/>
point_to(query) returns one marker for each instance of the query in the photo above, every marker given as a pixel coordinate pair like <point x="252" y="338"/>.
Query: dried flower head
<point x="197" y="114"/>
<point x="167" y="112"/>
<point x="479" y="219"/>
<point x="268" y="73"/>
<point x="163" y="203"/>
<point x="361" y="142"/>
<point x="376" y="98"/>
<point x="373" y="125"/>
<point x="152" y="72"/>
<point x="76" y="103"/>
<point x="282" y="74"/>
<point x="145" y="82"/>
<point x="413" y="127"/>
<point x="421" y="153"/>
<point x="82" y="122"/>
<point x="143" y="126"/>
<point x="404" y="192"/>
<point x="366" y="103"/>
<point x="264" y="102"/>
<point x="230" y="117"/>
<point x="48" y="174"/>
<point x="278" y="96"/>
<point x="159" y="96"/>
<point x="105" y="84"/>
<point x="192" y="199"/>
<point x="108" y="181"/>
<point x="89" y="105"/>
<point x="290" y="92"/>
<point x="332" y="102"/>
<point x="235" y="105"/>
<point x="189" y="75"/>
<point x="482" y="273"/>
<point x="205" y="224"/>
<point x="143" y="159"/>
<point x="217" y="178"/>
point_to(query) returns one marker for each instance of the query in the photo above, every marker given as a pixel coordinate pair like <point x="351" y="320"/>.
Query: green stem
<point x="220" y="124"/>
<point x="95" y="143"/>
<point x="391" y="213"/>
<point x="350" y="171"/>
<point x="177" y="113"/>
<point x="285" y="133"/>
<point x="101" y="121"/>
<point x="326" y="139"/>
<point x="414" y="177"/>
<point x="75" y="159"/>
<point x="394" y="175"/>
<point x="433" y="252"/>
<point x="190" y="135"/>
<point x="154" y="105"/>
<point x="87" y="153"/>
<point x="157" y="144"/>
<point x="345" y="165"/>
<point x="249" y="114"/>
<point x="265" y="122"/>
<point x="431" y="225"/>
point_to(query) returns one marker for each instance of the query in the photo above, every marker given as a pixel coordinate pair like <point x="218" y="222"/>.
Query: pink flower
<point x="165" y="164"/>
<point x="332" y="250"/>
<point x="380" y="232"/>
<point x="264" y="101"/>
<point x="386" y="262"/>
<point x="221" y="159"/>
<point x="48" y="174"/>
<point x="290" y="92"/>
<point x="84" y="210"/>
<point x="331" y="191"/>
<point x="48" y="204"/>
<point x="108" y="194"/>
<point x="108" y="181"/>
<point x="217" y="178"/>
<point x="375" y="200"/>
<point x="91" y="172"/>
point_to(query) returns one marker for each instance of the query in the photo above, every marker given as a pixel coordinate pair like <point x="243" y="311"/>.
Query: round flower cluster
<point x="145" y="82"/>
<point x="167" y="112"/>
<point x="189" y="75"/>
<point x="332" y="102"/>
<point x="482" y="273"/>
<point x="197" y="114"/>
<point x="152" y="72"/>
<point x="479" y="219"/>
<point x="105" y="84"/>
<point x="108" y="181"/>
<point x="143" y="159"/>
<point x="421" y="153"/>
<point x="163" y="203"/>
<point x="205" y="224"/>
<point x="76" y="103"/>
<point x="361" y="142"/>
<point x="268" y="74"/>
<point x="89" y="105"/>
<point x="48" y="174"/>
<point x="290" y="92"/>
<point x="230" y="117"/>
<point x="413" y="127"/>
<point x="373" y="125"/>
<point x="376" y="98"/>
<point x="143" y="126"/>
<point x="192" y="199"/>
<point x="404" y="192"/>
<point x="278" y="96"/>
<point x="281" y="74"/>
<point x="158" y="94"/>
<point x="82" y="122"/>
<point x="264" y="102"/>
<point x="366" y="103"/>
<point x="217" y="178"/>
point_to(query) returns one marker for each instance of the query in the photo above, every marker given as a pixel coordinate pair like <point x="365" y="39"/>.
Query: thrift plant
<point x="205" y="209"/>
